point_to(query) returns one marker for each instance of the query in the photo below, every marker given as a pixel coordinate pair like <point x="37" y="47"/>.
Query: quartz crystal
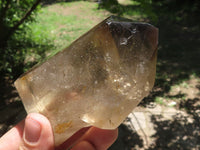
<point x="97" y="80"/>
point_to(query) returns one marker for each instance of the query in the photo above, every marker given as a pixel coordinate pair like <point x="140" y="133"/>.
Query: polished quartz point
<point x="97" y="80"/>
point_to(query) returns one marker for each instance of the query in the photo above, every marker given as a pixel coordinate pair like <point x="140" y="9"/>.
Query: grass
<point x="159" y="100"/>
<point x="62" y="23"/>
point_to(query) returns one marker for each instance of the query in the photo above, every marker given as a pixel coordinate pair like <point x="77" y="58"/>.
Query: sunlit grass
<point x="62" y="23"/>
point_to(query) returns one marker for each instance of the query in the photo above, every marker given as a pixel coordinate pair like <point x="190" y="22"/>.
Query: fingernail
<point x="32" y="130"/>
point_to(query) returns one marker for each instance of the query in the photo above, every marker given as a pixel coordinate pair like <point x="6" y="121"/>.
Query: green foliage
<point x="135" y="9"/>
<point x="22" y="52"/>
<point x="16" y="11"/>
<point x="15" y="17"/>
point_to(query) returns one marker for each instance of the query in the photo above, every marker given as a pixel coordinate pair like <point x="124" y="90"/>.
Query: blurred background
<point x="169" y="118"/>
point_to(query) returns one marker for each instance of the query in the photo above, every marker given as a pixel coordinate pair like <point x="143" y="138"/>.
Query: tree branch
<point x="16" y="26"/>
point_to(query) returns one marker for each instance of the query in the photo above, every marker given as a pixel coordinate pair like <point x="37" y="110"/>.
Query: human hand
<point x="35" y="133"/>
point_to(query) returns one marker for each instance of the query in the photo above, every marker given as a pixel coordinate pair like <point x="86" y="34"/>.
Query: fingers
<point x="33" y="133"/>
<point x="100" y="139"/>
<point x="12" y="139"/>
<point x="37" y="133"/>
<point x="83" y="145"/>
<point x="90" y="138"/>
<point x="97" y="139"/>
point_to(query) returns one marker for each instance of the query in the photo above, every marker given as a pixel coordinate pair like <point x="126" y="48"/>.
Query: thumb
<point x="37" y="134"/>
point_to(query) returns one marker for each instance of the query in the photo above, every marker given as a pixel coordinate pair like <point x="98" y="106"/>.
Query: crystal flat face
<point x="97" y="80"/>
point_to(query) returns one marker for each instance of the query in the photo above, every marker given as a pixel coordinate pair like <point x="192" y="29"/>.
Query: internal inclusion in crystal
<point x="97" y="80"/>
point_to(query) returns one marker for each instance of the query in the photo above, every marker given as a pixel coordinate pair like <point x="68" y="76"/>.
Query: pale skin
<point x="35" y="133"/>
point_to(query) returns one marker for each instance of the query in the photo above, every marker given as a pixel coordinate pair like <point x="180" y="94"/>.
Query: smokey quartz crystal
<point x="98" y="80"/>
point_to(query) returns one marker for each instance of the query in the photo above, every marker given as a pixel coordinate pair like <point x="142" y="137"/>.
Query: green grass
<point x="159" y="100"/>
<point x="56" y="23"/>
